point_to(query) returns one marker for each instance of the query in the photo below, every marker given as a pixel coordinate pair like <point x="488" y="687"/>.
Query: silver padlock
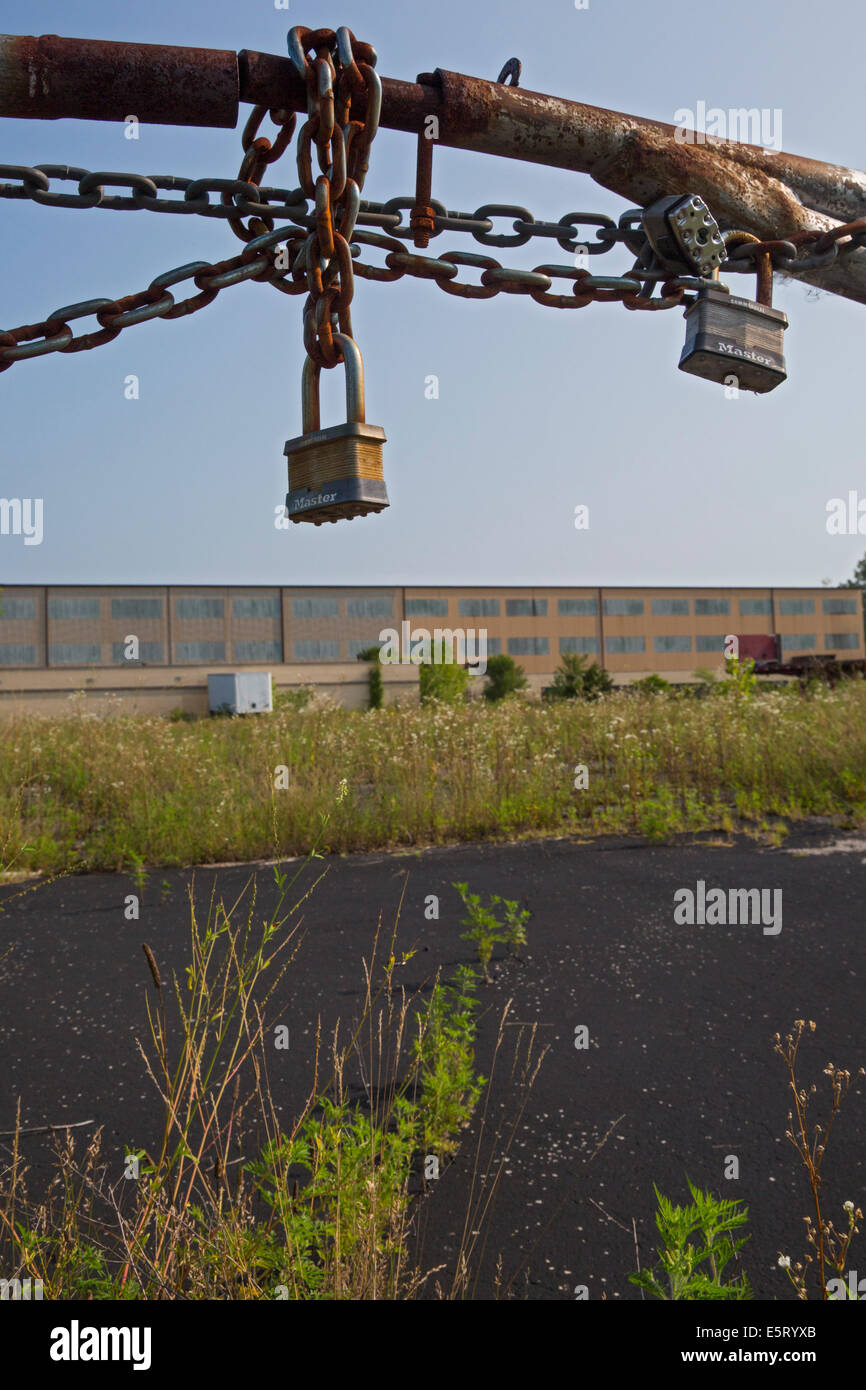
<point x="336" y="473"/>
<point x="728" y="336"/>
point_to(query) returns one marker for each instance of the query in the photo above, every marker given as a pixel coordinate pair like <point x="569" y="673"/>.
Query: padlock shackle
<point x="763" y="267"/>
<point x="355" y="403"/>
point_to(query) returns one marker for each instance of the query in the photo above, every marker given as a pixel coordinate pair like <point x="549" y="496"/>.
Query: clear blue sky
<point x="538" y="410"/>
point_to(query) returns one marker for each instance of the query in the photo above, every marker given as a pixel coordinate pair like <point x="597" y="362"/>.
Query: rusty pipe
<point x="771" y="194"/>
<point x="50" y="77"/>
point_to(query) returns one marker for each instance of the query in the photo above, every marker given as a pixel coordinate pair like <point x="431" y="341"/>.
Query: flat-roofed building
<point x="156" y="644"/>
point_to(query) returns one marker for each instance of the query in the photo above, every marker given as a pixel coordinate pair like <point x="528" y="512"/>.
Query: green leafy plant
<point x="486" y="930"/>
<point x="504" y="677"/>
<point x="742" y="680"/>
<point x="292" y="701"/>
<point x="697" y="1247"/>
<point x="443" y="680"/>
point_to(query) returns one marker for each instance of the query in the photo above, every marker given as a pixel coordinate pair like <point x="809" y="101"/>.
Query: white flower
<point x="848" y="1206"/>
<point x="784" y="1261"/>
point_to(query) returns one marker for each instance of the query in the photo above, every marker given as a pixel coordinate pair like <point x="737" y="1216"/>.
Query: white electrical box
<point x="240" y="692"/>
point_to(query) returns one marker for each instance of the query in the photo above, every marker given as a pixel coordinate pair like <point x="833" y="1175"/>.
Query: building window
<point x="494" y="646"/>
<point x="17" y="609"/>
<point x="478" y="607"/>
<point x="200" y="651"/>
<point x="577" y="607"/>
<point x="579" y="644"/>
<point x="798" y="641"/>
<point x="426" y="608"/>
<point x="147" y="651"/>
<point x="528" y="646"/>
<point x="678" y="643"/>
<point x="64" y="609"/>
<point x="369" y="607"/>
<point x="317" y="651"/>
<point x="711" y="607"/>
<point x="841" y="605"/>
<point x="706" y="643"/>
<point x="13" y="655"/>
<point x="356" y="647"/>
<point x="75" y="653"/>
<point x="526" y="608"/>
<point x="255" y="608"/>
<point x="670" y="608"/>
<point x="136" y="608"/>
<point x="315" y="607"/>
<point x="841" y="641"/>
<point x="623" y="608"/>
<point x="200" y="608"/>
<point x="792" y="606"/>
<point x="622" y="646"/>
<point x="754" y="607"/>
<point x="258" y="651"/>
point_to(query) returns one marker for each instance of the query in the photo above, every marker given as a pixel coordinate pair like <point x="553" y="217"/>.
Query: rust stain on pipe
<point x="51" y="77"/>
<point x="768" y="193"/>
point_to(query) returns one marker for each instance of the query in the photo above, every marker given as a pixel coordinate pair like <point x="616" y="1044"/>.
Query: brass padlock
<point x="335" y="473"/>
<point x="729" y="336"/>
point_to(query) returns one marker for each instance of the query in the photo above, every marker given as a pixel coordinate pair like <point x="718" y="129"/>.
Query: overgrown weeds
<point x="323" y="1207"/>
<point x="86" y="793"/>
<point x="829" y="1246"/>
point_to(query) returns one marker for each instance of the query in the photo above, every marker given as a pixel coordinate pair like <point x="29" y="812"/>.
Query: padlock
<point x="335" y="473"/>
<point x="682" y="231"/>
<point x="728" y="336"/>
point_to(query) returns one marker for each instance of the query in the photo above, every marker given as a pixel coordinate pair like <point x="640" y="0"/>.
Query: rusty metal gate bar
<point x="771" y="194"/>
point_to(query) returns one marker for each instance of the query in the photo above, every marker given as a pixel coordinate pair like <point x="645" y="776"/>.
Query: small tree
<point x="504" y="677"/>
<point x="377" y="685"/>
<point x="443" y="680"/>
<point x="574" y="680"/>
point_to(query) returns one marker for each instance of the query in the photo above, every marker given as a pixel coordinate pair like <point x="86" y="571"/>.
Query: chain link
<point x="318" y="253"/>
<point x="341" y="71"/>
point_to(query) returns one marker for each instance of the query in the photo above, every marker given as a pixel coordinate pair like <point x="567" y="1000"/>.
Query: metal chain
<point x="256" y="262"/>
<point x="279" y="257"/>
<point x="259" y="152"/>
<point x="342" y="70"/>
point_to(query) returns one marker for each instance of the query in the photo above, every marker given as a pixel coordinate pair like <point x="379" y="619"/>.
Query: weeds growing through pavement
<point x="485" y="928"/>
<point x="697" y="1247"/>
<point x="230" y="1202"/>
<point x="830" y="1246"/>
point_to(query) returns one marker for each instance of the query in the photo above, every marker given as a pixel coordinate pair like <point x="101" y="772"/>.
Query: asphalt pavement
<point x="656" y="1032"/>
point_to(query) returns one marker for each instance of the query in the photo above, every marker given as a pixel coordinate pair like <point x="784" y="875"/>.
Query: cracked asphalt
<point x="551" y="1190"/>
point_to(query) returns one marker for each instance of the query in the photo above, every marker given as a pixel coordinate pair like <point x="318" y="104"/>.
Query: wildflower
<point x="342" y="790"/>
<point x="784" y="1261"/>
<point x="848" y="1206"/>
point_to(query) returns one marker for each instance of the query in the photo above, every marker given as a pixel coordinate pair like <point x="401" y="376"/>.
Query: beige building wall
<point x="62" y="639"/>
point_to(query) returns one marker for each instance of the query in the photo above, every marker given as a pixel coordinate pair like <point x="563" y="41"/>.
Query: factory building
<point x="154" y="645"/>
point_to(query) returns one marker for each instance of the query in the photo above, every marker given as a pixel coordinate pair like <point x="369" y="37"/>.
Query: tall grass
<point x="225" y="1201"/>
<point x="112" y="792"/>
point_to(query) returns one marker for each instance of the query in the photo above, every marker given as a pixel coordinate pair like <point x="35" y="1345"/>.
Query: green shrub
<point x="574" y="680"/>
<point x="377" y="685"/>
<point x="652" y="685"/>
<point x="504" y="677"/>
<point x="443" y="681"/>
